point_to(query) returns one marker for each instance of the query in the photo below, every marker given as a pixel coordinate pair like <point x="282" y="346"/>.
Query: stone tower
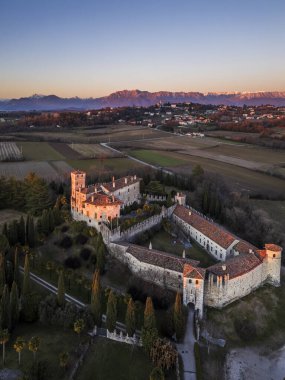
<point x="78" y="181"/>
<point x="273" y="263"/>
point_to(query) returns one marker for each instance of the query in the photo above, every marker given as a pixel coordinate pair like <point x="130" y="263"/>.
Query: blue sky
<point x="92" y="47"/>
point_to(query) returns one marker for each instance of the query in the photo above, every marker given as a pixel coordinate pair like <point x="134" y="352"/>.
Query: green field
<point x="165" y="242"/>
<point x="39" y="151"/>
<point x="109" y="360"/>
<point x="97" y="166"/>
<point x="53" y="342"/>
<point x="159" y="158"/>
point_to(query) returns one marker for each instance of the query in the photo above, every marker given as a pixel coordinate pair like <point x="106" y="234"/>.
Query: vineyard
<point x="9" y="152"/>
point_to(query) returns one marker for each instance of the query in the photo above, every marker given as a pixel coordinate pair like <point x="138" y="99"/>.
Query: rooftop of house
<point x="193" y="272"/>
<point x="273" y="247"/>
<point x="214" y="232"/>
<point x="236" y="266"/>
<point x="244" y="247"/>
<point x="159" y="258"/>
<point x="120" y="183"/>
<point x="103" y="200"/>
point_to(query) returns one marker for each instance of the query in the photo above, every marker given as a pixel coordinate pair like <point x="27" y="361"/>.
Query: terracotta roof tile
<point x="236" y="266"/>
<point x="192" y="272"/>
<point x="121" y="183"/>
<point x="244" y="247"/>
<point x="273" y="247"/>
<point x="159" y="258"/>
<point x="103" y="200"/>
<point x="214" y="232"/>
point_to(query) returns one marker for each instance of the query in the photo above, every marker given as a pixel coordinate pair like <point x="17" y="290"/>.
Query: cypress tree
<point x="149" y="330"/>
<point x="27" y="228"/>
<point x="61" y="289"/>
<point x="21" y="231"/>
<point x="51" y="220"/>
<point x="100" y="262"/>
<point x="96" y="299"/>
<point x="45" y="223"/>
<point x="2" y="271"/>
<point x="5" y="230"/>
<point x="5" y="308"/>
<point x="13" y="232"/>
<point x="26" y="280"/>
<point x="4" y="244"/>
<point x="14" y="305"/>
<point x="178" y="317"/>
<point x="131" y="318"/>
<point x="16" y="268"/>
<point x="111" y="314"/>
<point x="31" y="233"/>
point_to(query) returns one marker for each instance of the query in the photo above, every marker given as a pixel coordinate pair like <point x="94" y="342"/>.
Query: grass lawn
<point x="98" y="166"/>
<point x="39" y="151"/>
<point x="265" y="308"/>
<point x="53" y="341"/>
<point x="109" y="360"/>
<point x="165" y="242"/>
<point x="158" y="158"/>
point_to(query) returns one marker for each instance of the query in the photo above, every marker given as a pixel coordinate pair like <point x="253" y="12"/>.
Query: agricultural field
<point x="39" y="151"/>
<point x="9" y="151"/>
<point x="100" y="166"/>
<point x="159" y="158"/>
<point x="94" y="151"/>
<point x="20" y="170"/>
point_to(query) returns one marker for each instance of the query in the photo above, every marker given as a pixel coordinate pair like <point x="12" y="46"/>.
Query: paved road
<point x="186" y="349"/>
<point x="137" y="160"/>
<point x="120" y="326"/>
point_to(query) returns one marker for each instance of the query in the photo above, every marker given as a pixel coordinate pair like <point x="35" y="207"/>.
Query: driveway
<point x="186" y="349"/>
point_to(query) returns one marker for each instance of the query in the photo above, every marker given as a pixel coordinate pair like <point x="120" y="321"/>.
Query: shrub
<point x="85" y="253"/>
<point x="81" y="239"/>
<point x="245" y="329"/>
<point x="72" y="262"/>
<point x="64" y="228"/>
<point x="65" y="242"/>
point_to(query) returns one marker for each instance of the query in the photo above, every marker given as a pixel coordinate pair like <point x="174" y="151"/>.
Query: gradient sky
<point x="92" y="48"/>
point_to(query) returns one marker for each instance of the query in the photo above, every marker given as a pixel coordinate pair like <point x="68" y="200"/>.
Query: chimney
<point x="150" y="245"/>
<point x="183" y="254"/>
<point x="126" y="180"/>
<point x="95" y="190"/>
<point x="113" y="180"/>
<point x="189" y="213"/>
<point x="135" y="177"/>
<point x="113" y="199"/>
<point x="224" y="267"/>
<point x="92" y="198"/>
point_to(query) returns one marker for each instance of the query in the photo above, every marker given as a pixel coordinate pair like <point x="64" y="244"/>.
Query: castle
<point x="241" y="267"/>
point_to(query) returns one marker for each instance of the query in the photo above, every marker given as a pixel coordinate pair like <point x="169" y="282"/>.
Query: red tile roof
<point x="244" y="247"/>
<point x="159" y="258"/>
<point x="273" y="247"/>
<point x="236" y="266"/>
<point x="103" y="200"/>
<point x="214" y="232"/>
<point x="121" y="183"/>
<point x="191" y="272"/>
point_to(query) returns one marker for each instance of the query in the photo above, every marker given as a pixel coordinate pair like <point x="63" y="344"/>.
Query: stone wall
<point x="120" y="337"/>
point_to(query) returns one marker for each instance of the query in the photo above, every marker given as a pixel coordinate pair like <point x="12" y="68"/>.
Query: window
<point x="179" y="276"/>
<point x="197" y="282"/>
<point x="190" y="281"/>
<point x="274" y="255"/>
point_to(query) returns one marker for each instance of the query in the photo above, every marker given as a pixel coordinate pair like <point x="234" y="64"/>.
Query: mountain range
<point x="140" y="98"/>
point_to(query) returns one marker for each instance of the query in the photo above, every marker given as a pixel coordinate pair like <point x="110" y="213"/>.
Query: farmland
<point x="94" y="151"/>
<point x="22" y="169"/>
<point x="9" y="151"/>
<point x="41" y="151"/>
